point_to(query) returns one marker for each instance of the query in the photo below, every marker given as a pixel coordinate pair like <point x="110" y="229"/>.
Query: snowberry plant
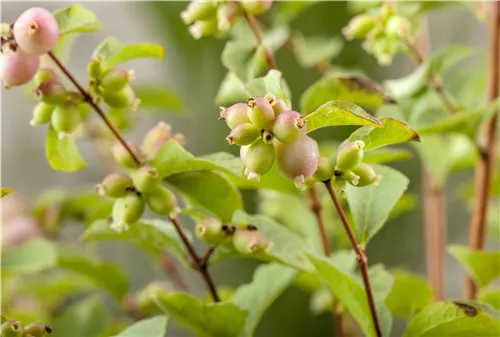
<point x="310" y="193"/>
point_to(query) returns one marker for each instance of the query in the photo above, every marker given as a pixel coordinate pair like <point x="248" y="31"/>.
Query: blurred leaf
<point x="482" y="266"/>
<point x="321" y="301"/>
<point x="464" y="153"/>
<point x="209" y="190"/>
<point x="409" y="294"/>
<point x="464" y="122"/>
<point x="243" y="59"/>
<point x="116" y="52"/>
<point x="63" y="48"/>
<point x="452" y="319"/>
<point x="5" y="192"/>
<point x="31" y="258"/>
<point x="287" y="11"/>
<point x="276" y="37"/>
<point x="273" y="83"/>
<point x="155" y="235"/>
<point x="62" y="154"/>
<point x="76" y="18"/>
<point x="393" y="132"/>
<point x="468" y="83"/>
<point x="490" y="296"/>
<point x="371" y="205"/>
<point x="335" y="113"/>
<point x="149" y="327"/>
<point x="414" y="8"/>
<point x="159" y="97"/>
<point x="448" y="57"/>
<point x="405" y="204"/>
<point x="204" y="319"/>
<point x="494" y="219"/>
<point x="315" y="50"/>
<point x="85" y="318"/>
<point x="339" y="86"/>
<point x="269" y="282"/>
<point x="3" y="319"/>
<point x="231" y="90"/>
<point x="381" y="156"/>
<point x="410" y="84"/>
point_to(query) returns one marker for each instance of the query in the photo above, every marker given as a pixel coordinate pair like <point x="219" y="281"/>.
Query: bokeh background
<point x="193" y="70"/>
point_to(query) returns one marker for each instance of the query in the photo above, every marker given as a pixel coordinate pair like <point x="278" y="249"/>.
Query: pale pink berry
<point x="18" y="68"/>
<point x="36" y="31"/>
<point x="289" y="126"/>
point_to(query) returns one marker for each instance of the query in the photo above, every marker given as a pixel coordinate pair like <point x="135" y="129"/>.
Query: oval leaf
<point x="62" y="154"/>
<point x="76" y="19"/>
<point x="159" y="97"/>
<point x="116" y="52"/>
<point x="483" y="266"/>
<point x="32" y="257"/>
<point x="315" y="50"/>
<point x="150" y="327"/>
<point x="381" y="156"/>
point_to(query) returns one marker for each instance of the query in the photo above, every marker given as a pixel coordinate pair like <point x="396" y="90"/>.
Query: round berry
<point x="116" y="79"/>
<point x="256" y="7"/>
<point x="366" y="174"/>
<point x="42" y="114"/>
<point x="127" y="210"/>
<point x="36" y="31"/>
<point x="18" y="68"/>
<point x="12" y="328"/>
<point x="45" y="74"/>
<point x="115" y="185"/>
<point x="259" y="158"/>
<point x="234" y="115"/>
<point x="156" y="138"/>
<point x="359" y="26"/>
<point x="325" y="170"/>
<point x="277" y="103"/>
<point x="260" y="112"/>
<point x="146" y="178"/>
<point x="37" y="329"/>
<point x="289" y="126"/>
<point x="51" y="92"/>
<point x="122" y="155"/>
<point x="66" y="118"/>
<point x="243" y="134"/>
<point x="210" y="231"/>
<point x="249" y="241"/>
<point x="198" y="10"/>
<point x="122" y="99"/>
<point x="350" y="155"/>
<point x="162" y="201"/>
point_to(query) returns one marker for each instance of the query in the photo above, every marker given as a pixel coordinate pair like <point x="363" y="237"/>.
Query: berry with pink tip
<point x="277" y="104"/>
<point x="116" y="79"/>
<point x="289" y="127"/>
<point x="235" y="115"/>
<point x="51" y="92"/>
<point x="36" y="31"/>
<point x="115" y="185"/>
<point x="45" y="74"/>
<point x="156" y="138"/>
<point x="260" y="112"/>
<point x="243" y="134"/>
<point x="18" y="68"/>
<point x="259" y="158"/>
<point x="298" y="160"/>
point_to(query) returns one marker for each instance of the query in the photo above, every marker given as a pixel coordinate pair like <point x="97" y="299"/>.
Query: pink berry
<point x="18" y="68"/>
<point x="299" y="160"/>
<point x="36" y="31"/>
<point x="289" y="126"/>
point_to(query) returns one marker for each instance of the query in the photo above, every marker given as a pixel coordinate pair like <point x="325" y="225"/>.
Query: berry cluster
<point x="210" y="18"/>
<point x="268" y="131"/>
<point x="384" y="33"/>
<point x="14" y="328"/>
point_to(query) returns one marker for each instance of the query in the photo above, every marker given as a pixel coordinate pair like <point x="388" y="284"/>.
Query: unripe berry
<point x="115" y="185"/>
<point x="243" y="134"/>
<point x="116" y="79"/>
<point x="247" y="241"/>
<point x="289" y="126"/>
<point x="121" y="99"/>
<point x="204" y="28"/>
<point x="36" y="31"/>
<point x="260" y="112"/>
<point x="259" y="158"/>
<point x="42" y="114"/>
<point x="350" y="177"/>
<point x="66" y="118"/>
<point x="95" y="68"/>
<point x="366" y="174"/>
<point x="299" y="160"/>
<point x="359" y="26"/>
<point x="18" y="68"/>
<point x="198" y="10"/>
<point x="277" y="104"/>
<point x="43" y="75"/>
<point x="146" y="178"/>
<point x="123" y="157"/>
<point x="51" y="92"/>
<point x="162" y="201"/>
<point x="145" y="299"/>
<point x="227" y="12"/>
<point x="234" y="115"/>
<point x="256" y="7"/>
<point x="340" y="187"/>
<point x="267" y="137"/>
<point x="5" y="29"/>
<point x="36" y="329"/>
<point x="210" y="231"/>
<point x="127" y="210"/>
<point x="12" y="328"/>
<point x="398" y="27"/>
<point x="350" y="155"/>
<point x="325" y="170"/>
<point x="156" y="138"/>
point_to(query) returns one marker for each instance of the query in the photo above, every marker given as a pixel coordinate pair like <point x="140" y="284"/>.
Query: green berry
<point x="66" y="118"/>
<point x="146" y="178"/>
<point x="234" y="115"/>
<point x="366" y="174"/>
<point x="289" y="126"/>
<point x="325" y="170"/>
<point x="203" y="28"/>
<point x="115" y="185"/>
<point x="350" y="177"/>
<point x="398" y="27"/>
<point x="155" y="138"/>
<point x="198" y="10"/>
<point x="43" y="75"/>
<point x="95" y="68"/>
<point x="210" y="231"/>
<point x="122" y="99"/>
<point x="127" y="210"/>
<point x="243" y="134"/>
<point x="260" y="112"/>
<point x="259" y="158"/>
<point x="36" y="329"/>
<point x="145" y="298"/>
<point x="359" y="26"/>
<point x="256" y="7"/>
<point x="267" y="137"/>
<point x="42" y="114"/>
<point x="250" y="241"/>
<point x="11" y="328"/>
<point x="350" y="155"/>
<point x="122" y="155"/>
<point x="116" y="79"/>
<point x="162" y="201"/>
<point x="51" y="92"/>
<point x="227" y="13"/>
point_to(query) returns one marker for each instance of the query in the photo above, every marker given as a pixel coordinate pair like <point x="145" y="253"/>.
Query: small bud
<point x="260" y="112"/>
<point x="95" y="68"/>
<point x="259" y="159"/>
<point x="359" y="27"/>
<point x="123" y="157"/>
<point x="247" y="242"/>
<point x="289" y="126"/>
<point x="146" y="297"/>
<point x="156" y="138"/>
<point x="162" y="201"/>
<point x="127" y="210"/>
<point x="256" y="7"/>
<point x="51" y="92"/>
<point x="350" y="177"/>
<point x="210" y="231"/>
<point x="42" y="114"/>
<point x="298" y="160"/>
<point x="12" y="328"/>
<point x="277" y="104"/>
<point x="243" y="134"/>
<point x="36" y="329"/>
<point x="122" y="99"/>
<point x="146" y="178"/>
<point x="267" y="137"/>
<point x="116" y="79"/>
<point x="398" y="27"/>
<point x="203" y="28"/>
<point x="234" y="115"/>
<point x="226" y="14"/>
<point x="350" y="155"/>
<point x="366" y="174"/>
<point x="325" y="170"/>
<point x="5" y="29"/>
<point x="18" y="68"/>
<point x="198" y="10"/>
<point x="36" y="31"/>
<point x="43" y="75"/>
<point x="115" y="185"/>
<point x="66" y="118"/>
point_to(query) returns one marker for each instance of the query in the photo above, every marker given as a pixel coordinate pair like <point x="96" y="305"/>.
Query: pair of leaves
<point x="483" y="266"/>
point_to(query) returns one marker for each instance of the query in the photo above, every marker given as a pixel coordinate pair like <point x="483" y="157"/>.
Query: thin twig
<point x="205" y="258"/>
<point x="486" y="146"/>
<point x="361" y="257"/>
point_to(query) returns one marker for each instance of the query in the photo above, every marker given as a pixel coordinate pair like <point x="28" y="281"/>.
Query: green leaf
<point x="340" y="86"/>
<point x="62" y="154"/>
<point x="448" y="57"/>
<point x="116" y="52"/>
<point x="482" y="266"/>
<point x="273" y="83"/>
<point x="159" y="97"/>
<point x="5" y="192"/>
<point x="335" y="113"/>
<point x="405" y="204"/>
<point x="155" y="235"/>
<point x="452" y="319"/>
<point x="85" y="318"/>
<point x="409" y="85"/>
<point x="315" y="50"/>
<point x="204" y="319"/>
<point x="393" y="132"/>
<point x="371" y="205"/>
<point x="381" y="156"/>
<point x="231" y="90"/>
<point x="31" y="258"/>
<point x="352" y="295"/>
<point x="491" y="296"/>
<point x="242" y="59"/>
<point x="287" y="11"/>
<point x="269" y="282"/>
<point x="409" y="294"/>
<point x="466" y="122"/>
<point x="149" y="327"/>
<point x="76" y="19"/>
